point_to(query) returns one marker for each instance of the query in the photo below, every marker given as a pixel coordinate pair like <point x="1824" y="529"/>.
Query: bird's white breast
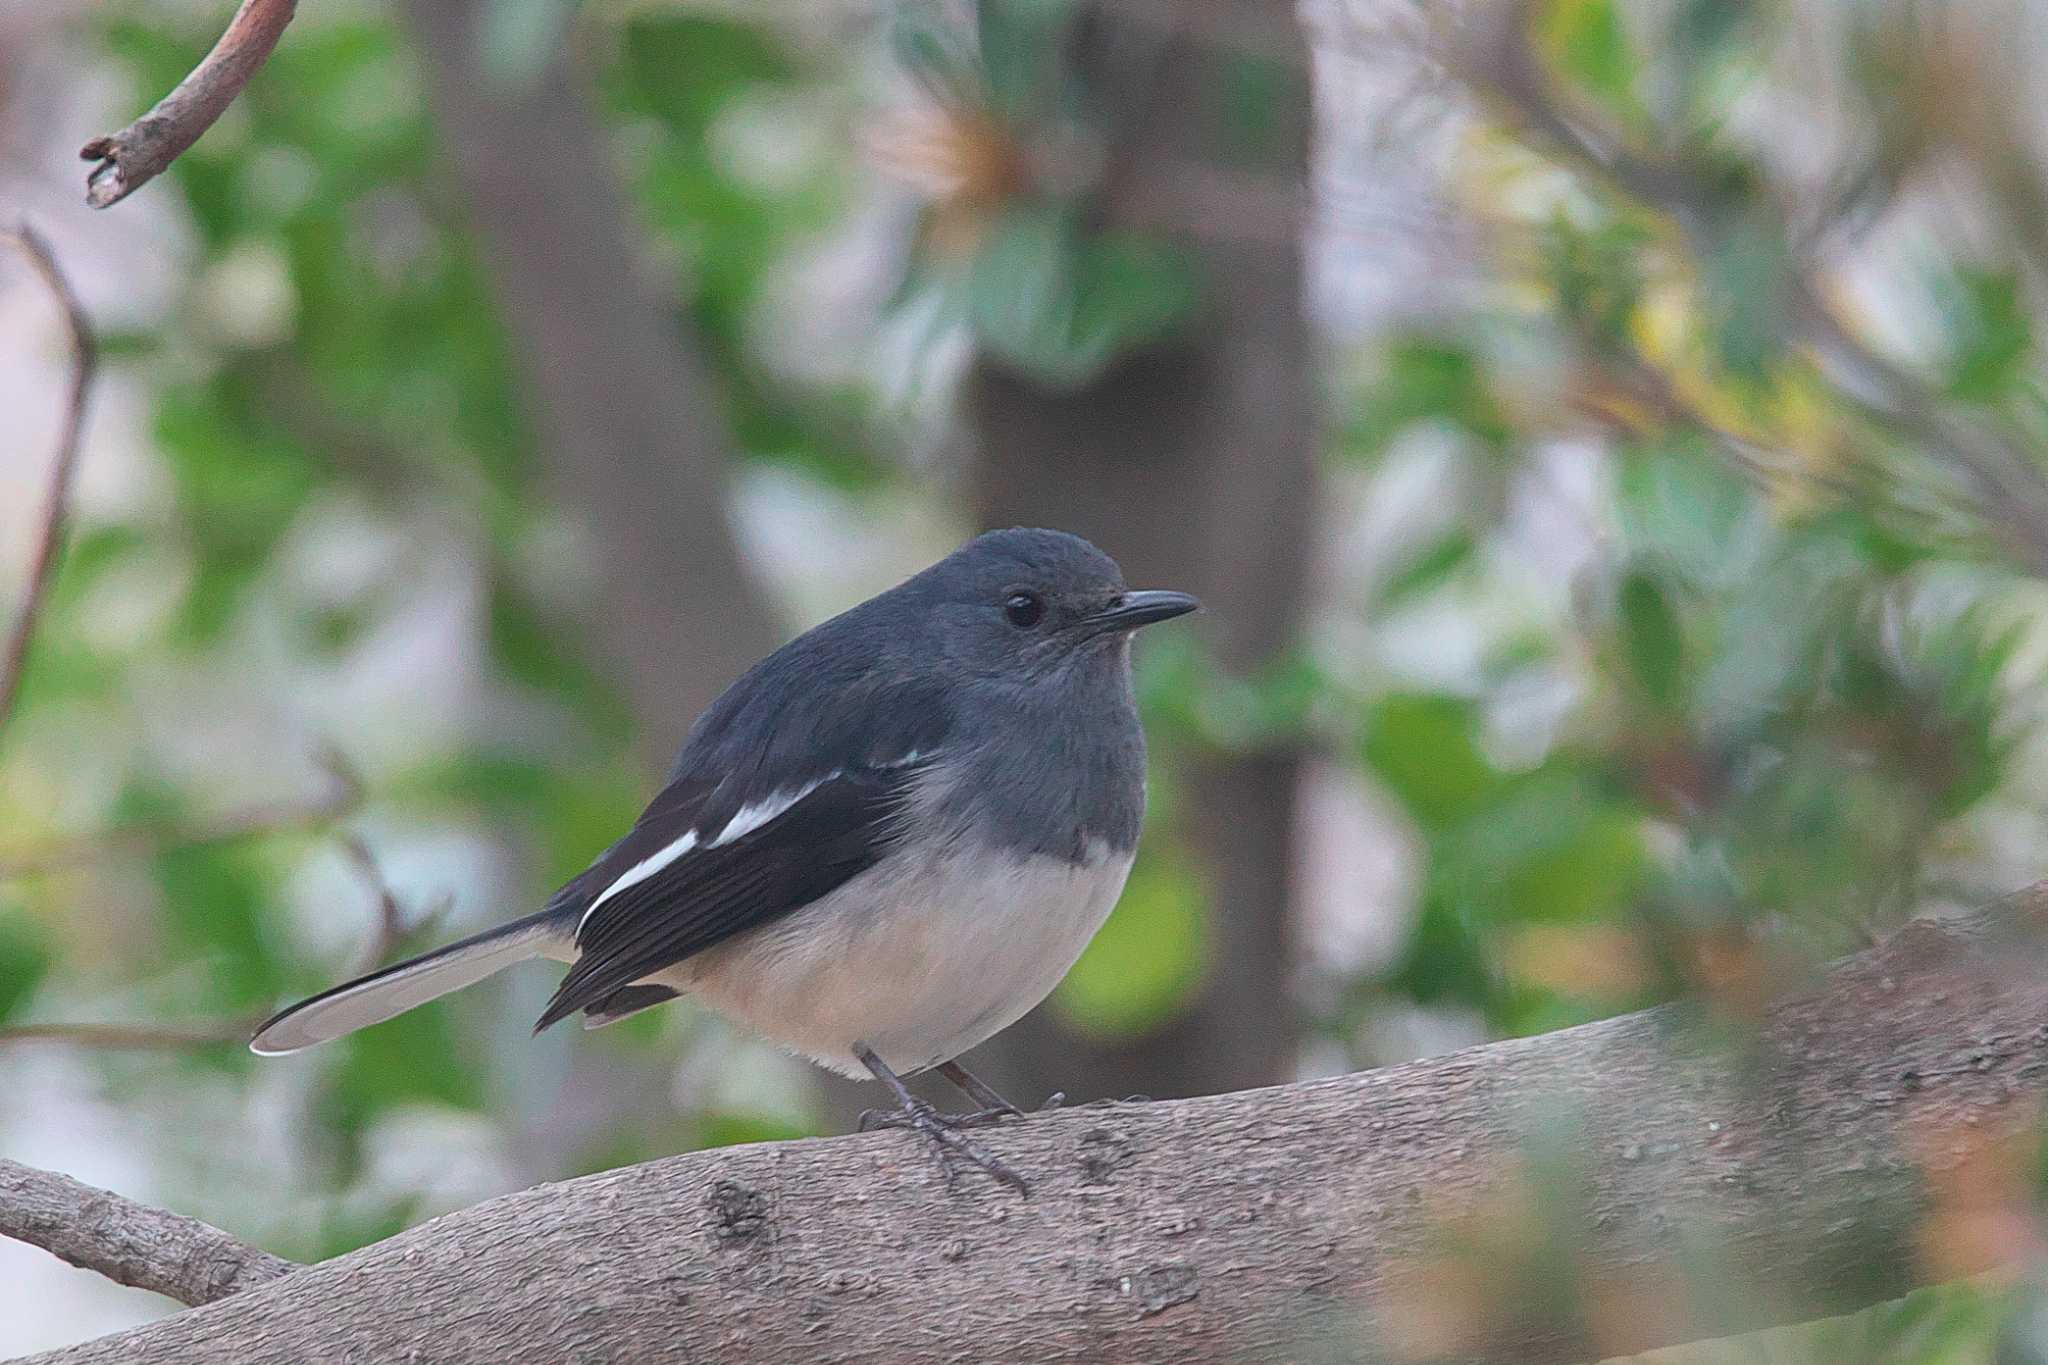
<point x="920" y="957"/>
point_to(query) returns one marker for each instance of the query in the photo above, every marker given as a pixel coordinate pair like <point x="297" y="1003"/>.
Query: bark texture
<point x="1195" y="465"/>
<point x="1801" y="1156"/>
<point x="129" y="1243"/>
<point x="134" y="156"/>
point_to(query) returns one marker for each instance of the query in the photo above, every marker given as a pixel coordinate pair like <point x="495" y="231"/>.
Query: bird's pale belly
<point x="918" y="959"/>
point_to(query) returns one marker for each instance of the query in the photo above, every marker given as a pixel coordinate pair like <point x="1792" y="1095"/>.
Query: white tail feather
<point x="391" y="992"/>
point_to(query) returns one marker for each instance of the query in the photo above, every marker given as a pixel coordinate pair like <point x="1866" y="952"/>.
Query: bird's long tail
<point x="392" y="991"/>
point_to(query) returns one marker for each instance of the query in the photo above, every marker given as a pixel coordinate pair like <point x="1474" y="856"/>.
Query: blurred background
<point x="1610" y="441"/>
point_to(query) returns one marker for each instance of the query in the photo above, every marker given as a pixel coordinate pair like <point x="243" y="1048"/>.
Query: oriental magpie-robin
<point x="882" y="845"/>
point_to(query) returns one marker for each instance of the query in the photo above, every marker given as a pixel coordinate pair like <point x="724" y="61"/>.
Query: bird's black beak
<point x="1134" y="609"/>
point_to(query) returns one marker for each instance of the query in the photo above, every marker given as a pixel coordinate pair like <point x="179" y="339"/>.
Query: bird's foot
<point x="973" y="1118"/>
<point x="942" y="1131"/>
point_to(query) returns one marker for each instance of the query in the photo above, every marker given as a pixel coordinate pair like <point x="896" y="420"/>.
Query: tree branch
<point x="143" y="150"/>
<point x="154" y="836"/>
<point x="1496" y="59"/>
<point x="392" y="928"/>
<point x="1806" y="1161"/>
<point x="130" y="1243"/>
<point x="393" y="924"/>
<point x="135" y="1037"/>
<point x="56" y="502"/>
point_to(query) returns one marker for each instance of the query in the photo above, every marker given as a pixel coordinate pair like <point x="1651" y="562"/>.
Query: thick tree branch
<point x="143" y="150"/>
<point x="133" y="1244"/>
<point x="1805" y="1158"/>
<point x="57" y="501"/>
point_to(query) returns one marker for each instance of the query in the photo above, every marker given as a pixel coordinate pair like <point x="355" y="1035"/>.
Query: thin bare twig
<point x="139" y="153"/>
<point x="392" y="922"/>
<point x="1498" y="62"/>
<point x="135" y="1037"/>
<point x="57" y="501"/>
<point x="394" y="925"/>
<point x="129" y="1243"/>
<point x="344" y="795"/>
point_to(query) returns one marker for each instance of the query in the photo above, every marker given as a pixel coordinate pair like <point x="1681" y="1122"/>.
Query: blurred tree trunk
<point x="1195" y="465"/>
<point x="634" y="444"/>
<point x="633" y="439"/>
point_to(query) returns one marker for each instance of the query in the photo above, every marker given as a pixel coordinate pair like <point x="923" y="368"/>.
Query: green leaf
<point x="1425" y="378"/>
<point x="1134" y="289"/>
<point x="1990" y="334"/>
<point x="1598" y="275"/>
<point x="931" y="47"/>
<point x="1061" y="307"/>
<point x="1587" y="41"/>
<point x="1554" y="850"/>
<point x="1426" y="750"/>
<point x="1020" y="54"/>
<point x="1653" y="638"/>
<point x="1426" y="571"/>
<point x="1682" y="506"/>
<point x="1747" y="280"/>
<point x="1020" y="294"/>
<point x="24" y="960"/>
<point x="682" y="68"/>
<point x="1444" y="960"/>
<point x="726" y="1129"/>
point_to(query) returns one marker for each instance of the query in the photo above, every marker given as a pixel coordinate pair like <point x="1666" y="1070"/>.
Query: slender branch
<point x="130" y="1243"/>
<point x="393" y="924"/>
<point x="1828" y="1152"/>
<point x="392" y="927"/>
<point x="57" y="501"/>
<point x="343" y="796"/>
<point x="1498" y="62"/>
<point x="135" y="1037"/>
<point x="143" y="150"/>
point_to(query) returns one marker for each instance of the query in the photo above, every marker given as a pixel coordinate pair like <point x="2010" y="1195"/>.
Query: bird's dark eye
<point x="1025" y="609"/>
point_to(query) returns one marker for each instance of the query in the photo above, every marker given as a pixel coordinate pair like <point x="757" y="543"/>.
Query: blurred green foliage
<point x="1786" y="686"/>
<point x="1010" y="248"/>
<point x="335" y="344"/>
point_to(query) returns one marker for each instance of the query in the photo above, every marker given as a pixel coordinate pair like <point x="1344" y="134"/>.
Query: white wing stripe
<point x="750" y="818"/>
<point x="640" y="872"/>
<point x="744" y="822"/>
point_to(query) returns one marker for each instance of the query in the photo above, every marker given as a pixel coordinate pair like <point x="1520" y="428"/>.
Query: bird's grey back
<point x="873" y="684"/>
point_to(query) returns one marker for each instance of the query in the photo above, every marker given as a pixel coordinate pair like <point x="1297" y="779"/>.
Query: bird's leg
<point x="993" y="1106"/>
<point x="914" y="1113"/>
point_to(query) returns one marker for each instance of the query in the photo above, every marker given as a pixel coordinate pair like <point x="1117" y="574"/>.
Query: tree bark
<point x="634" y="440"/>
<point x="127" y="1242"/>
<point x="1195" y="465"/>
<point x="1805" y="1159"/>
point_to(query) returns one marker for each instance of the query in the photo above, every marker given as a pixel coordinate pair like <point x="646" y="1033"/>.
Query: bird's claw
<point x="942" y="1131"/>
<point x="871" y="1119"/>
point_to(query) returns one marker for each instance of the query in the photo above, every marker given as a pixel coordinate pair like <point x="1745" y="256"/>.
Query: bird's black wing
<point x="651" y="906"/>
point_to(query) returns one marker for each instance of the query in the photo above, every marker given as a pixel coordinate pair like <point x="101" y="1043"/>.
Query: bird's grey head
<point x="1029" y="605"/>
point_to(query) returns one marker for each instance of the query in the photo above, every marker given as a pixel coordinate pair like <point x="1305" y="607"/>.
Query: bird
<point x="882" y="845"/>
